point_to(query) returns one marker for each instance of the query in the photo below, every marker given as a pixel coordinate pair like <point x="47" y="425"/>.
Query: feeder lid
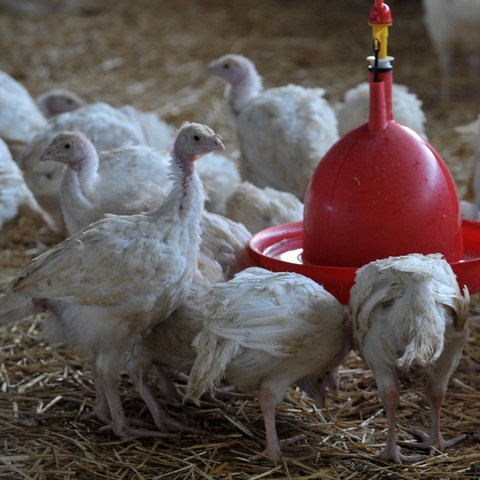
<point x="380" y="14"/>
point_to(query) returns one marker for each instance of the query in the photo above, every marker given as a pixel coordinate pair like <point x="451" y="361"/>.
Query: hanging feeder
<point x="380" y="191"/>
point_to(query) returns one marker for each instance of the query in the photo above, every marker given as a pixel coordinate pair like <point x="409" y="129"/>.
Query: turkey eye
<point x="226" y="66"/>
<point x="387" y="303"/>
<point x="67" y="146"/>
<point x="196" y="138"/>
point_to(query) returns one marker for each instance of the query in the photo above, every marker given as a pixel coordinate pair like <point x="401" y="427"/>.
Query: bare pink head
<point x="195" y="140"/>
<point x="232" y="68"/>
<point x="70" y="148"/>
<point x="58" y="100"/>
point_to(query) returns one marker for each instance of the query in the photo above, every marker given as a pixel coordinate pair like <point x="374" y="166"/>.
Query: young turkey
<point x="264" y="331"/>
<point x="226" y="241"/>
<point x="120" y="276"/>
<point x="220" y="175"/>
<point x="258" y="208"/>
<point x="469" y="210"/>
<point x="105" y="126"/>
<point x="58" y="100"/>
<point x="470" y="134"/>
<point x="157" y="132"/>
<point x="124" y="180"/>
<point x="354" y="110"/>
<point x="20" y="118"/>
<point x="167" y="348"/>
<point x="453" y="30"/>
<point x="96" y="184"/>
<point x="410" y="323"/>
<point x="16" y="199"/>
<point x="282" y="132"/>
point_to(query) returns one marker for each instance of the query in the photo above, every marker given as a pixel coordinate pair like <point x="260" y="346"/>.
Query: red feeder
<point x="381" y="190"/>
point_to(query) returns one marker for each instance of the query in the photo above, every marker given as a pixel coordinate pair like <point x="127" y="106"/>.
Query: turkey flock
<point x="152" y="274"/>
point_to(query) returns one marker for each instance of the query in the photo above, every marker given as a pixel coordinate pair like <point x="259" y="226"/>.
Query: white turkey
<point x="470" y="134"/>
<point x="469" y="210"/>
<point x="262" y="332"/>
<point x="105" y="126"/>
<point x="120" y="276"/>
<point x="410" y="324"/>
<point x="227" y="242"/>
<point x="258" y="208"/>
<point x="123" y="180"/>
<point x="58" y="100"/>
<point x="128" y="180"/>
<point x="453" y="30"/>
<point x="157" y="132"/>
<point x="16" y="199"/>
<point x="283" y="132"/>
<point x="220" y="175"/>
<point x="317" y="386"/>
<point x="354" y="110"/>
<point x="20" y="118"/>
<point x="167" y="348"/>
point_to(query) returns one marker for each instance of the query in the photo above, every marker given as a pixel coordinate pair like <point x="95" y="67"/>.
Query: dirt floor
<point x="152" y="54"/>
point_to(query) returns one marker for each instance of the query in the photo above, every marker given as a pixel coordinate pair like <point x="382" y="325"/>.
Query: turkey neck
<point x="240" y="93"/>
<point x="82" y="177"/>
<point x="186" y="198"/>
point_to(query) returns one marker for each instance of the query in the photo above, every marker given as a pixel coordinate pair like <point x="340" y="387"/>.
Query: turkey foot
<point x="286" y="445"/>
<point x="395" y="455"/>
<point x="429" y="443"/>
<point x="99" y="414"/>
<point x="168" y="425"/>
<point x="131" y="432"/>
<point x="102" y="415"/>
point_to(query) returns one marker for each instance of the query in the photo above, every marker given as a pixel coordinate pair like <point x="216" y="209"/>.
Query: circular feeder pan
<point x="280" y="249"/>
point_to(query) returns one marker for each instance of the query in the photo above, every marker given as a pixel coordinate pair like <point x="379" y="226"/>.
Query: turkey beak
<point x="217" y="142"/>
<point x="209" y="69"/>
<point x="46" y="155"/>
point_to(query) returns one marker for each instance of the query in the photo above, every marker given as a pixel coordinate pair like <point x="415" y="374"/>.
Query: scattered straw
<point x="152" y="55"/>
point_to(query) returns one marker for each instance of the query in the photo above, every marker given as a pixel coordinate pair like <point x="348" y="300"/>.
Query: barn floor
<point x="151" y="54"/>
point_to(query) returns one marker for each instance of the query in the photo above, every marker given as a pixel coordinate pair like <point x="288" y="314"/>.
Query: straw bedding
<point x="151" y="54"/>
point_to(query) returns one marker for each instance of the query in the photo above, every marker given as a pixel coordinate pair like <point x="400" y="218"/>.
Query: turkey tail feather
<point x="212" y="359"/>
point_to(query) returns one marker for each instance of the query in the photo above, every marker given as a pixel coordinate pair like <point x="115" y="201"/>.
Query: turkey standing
<point x="410" y="323"/>
<point x="265" y="331"/>
<point x="167" y="348"/>
<point x="94" y="185"/>
<point x="453" y="30"/>
<point x="282" y="132"/>
<point x="120" y="276"/>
